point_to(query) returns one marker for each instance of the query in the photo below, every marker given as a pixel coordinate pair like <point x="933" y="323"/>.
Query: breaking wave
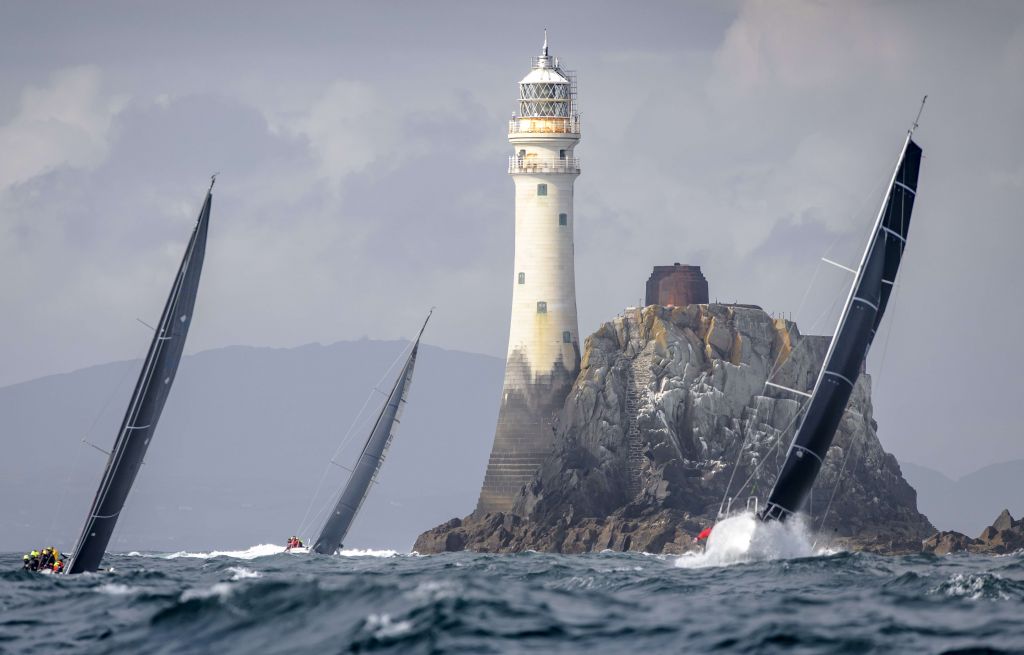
<point x="743" y="538"/>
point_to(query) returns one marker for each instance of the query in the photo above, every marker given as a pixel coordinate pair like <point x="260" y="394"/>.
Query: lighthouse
<point x="543" y="344"/>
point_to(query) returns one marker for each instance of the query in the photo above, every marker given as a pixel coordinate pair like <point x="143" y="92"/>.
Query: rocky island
<point x="1005" y="535"/>
<point x="669" y="416"/>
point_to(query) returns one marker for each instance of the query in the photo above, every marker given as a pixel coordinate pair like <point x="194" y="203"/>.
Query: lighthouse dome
<point x="544" y="76"/>
<point x="547" y="90"/>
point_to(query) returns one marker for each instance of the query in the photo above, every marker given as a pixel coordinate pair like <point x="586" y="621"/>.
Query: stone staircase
<point x="638" y="382"/>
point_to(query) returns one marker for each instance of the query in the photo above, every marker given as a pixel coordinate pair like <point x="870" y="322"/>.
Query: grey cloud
<point x="363" y="156"/>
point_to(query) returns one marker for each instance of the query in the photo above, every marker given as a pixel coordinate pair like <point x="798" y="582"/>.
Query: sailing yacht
<point x="364" y="473"/>
<point x="147" y="403"/>
<point x="865" y="304"/>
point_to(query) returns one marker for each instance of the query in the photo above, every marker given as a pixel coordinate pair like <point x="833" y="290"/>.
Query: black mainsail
<point x="364" y="473"/>
<point x="858" y="323"/>
<point x="147" y="403"/>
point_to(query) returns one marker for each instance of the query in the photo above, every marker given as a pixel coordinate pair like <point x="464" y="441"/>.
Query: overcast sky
<point x="362" y="152"/>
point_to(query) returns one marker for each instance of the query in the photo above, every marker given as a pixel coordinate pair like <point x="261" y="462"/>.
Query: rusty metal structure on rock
<point x="677" y="285"/>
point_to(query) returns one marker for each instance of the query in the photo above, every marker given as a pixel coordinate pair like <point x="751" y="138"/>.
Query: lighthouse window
<point x="522" y="278"/>
<point x="542" y="307"/>
<point x="567" y="337"/>
<point x="561" y="154"/>
<point x="563" y="219"/>
<point x="542" y="189"/>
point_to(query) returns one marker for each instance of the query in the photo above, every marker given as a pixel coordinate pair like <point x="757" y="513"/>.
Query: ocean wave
<point x="219" y="590"/>
<point x="242" y="573"/>
<point x="117" y="589"/>
<point x="435" y="590"/>
<point x="546" y="603"/>
<point x="980" y="586"/>
<point x="383" y="627"/>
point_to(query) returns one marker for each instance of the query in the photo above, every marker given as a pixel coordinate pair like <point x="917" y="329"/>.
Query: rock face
<point x="669" y="415"/>
<point x="1005" y="535"/>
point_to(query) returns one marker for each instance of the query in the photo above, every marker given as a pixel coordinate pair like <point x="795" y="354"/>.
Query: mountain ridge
<point x="247" y="433"/>
<point x="965" y="504"/>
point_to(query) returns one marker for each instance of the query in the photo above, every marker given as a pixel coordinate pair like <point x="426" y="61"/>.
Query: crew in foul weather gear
<point x="294" y="542"/>
<point x="49" y="559"/>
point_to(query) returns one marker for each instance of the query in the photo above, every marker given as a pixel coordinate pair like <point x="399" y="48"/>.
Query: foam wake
<point x="743" y="538"/>
<point x="260" y="550"/>
<point x="264" y="550"/>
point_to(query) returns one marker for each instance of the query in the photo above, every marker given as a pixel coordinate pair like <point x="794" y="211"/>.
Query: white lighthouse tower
<point x="543" y="344"/>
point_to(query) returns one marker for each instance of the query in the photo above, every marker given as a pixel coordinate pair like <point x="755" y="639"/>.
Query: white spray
<point x="743" y="538"/>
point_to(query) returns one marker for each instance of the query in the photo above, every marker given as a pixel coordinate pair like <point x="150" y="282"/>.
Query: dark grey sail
<point x="146" y="404"/>
<point x="853" y="336"/>
<point x="364" y="473"/>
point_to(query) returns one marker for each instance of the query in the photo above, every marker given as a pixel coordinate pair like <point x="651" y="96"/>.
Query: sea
<point x="752" y="591"/>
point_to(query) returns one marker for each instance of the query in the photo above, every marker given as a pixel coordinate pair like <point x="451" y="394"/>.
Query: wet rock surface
<point x="670" y="415"/>
<point x="1005" y="535"/>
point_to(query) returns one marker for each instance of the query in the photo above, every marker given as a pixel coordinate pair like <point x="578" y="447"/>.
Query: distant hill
<point x="246" y="436"/>
<point x="969" y="504"/>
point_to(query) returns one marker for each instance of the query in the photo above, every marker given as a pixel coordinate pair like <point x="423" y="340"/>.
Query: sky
<point x="362" y="157"/>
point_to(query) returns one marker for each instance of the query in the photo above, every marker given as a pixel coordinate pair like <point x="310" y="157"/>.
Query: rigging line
<point x="153" y="359"/>
<point x="358" y="421"/>
<point x="346" y="438"/>
<point x="774" y="448"/>
<point x="739" y="456"/>
<point x="142" y="386"/>
<point x="768" y="453"/>
<point x="864" y="258"/>
<point x="394" y="404"/>
<point x="839" y="482"/>
<point x="376" y="389"/>
<point x="872" y="193"/>
<point x="778" y="365"/>
<point x="128" y="370"/>
<point x="776" y="368"/>
<point x="149" y="366"/>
